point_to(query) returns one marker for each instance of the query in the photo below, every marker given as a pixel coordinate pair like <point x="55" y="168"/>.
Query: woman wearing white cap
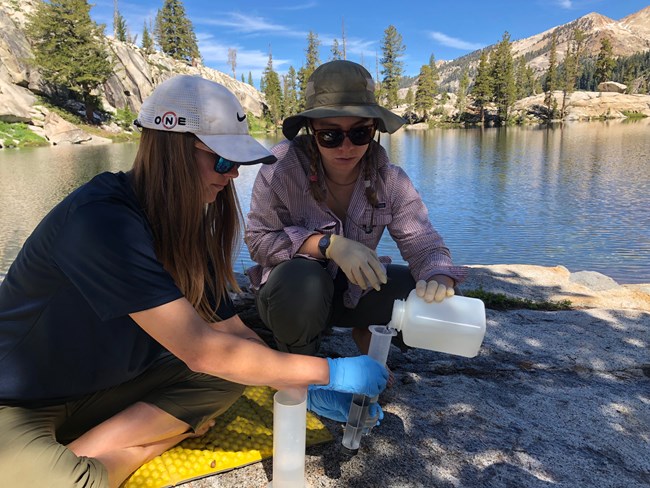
<point x="317" y="217"/>
<point x="117" y="336"/>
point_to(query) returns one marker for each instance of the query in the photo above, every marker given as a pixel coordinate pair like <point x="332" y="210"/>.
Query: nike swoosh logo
<point x="242" y="118"/>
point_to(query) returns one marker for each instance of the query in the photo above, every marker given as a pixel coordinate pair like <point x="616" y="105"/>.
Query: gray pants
<point x="32" y="439"/>
<point x="300" y="301"/>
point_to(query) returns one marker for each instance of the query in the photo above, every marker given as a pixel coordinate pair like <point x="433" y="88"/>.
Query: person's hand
<point x="359" y="374"/>
<point x="433" y="290"/>
<point x="335" y="405"/>
<point x="375" y="411"/>
<point x="359" y="263"/>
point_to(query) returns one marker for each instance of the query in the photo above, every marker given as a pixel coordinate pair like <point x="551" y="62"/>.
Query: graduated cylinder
<point x="359" y="420"/>
<point x="289" y="438"/>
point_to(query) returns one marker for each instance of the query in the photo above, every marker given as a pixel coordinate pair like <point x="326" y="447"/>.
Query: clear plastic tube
<point x="289" y="438"/>
<point x="359" y="420"/>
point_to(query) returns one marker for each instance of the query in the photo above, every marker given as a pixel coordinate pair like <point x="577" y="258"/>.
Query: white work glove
<point x="359" y="263"/>
<point x="433" y="291"/>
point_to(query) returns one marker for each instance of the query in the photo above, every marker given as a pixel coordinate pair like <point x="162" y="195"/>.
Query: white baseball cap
<point x="208" y="110"/>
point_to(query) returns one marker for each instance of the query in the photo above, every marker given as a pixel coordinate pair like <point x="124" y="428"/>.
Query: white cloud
<point x="248" y="25"/>
<point x="567" y="4"/>
<point x="215" y="55"/>
<point x="453" y="42"/>
<point x="306" y="6"/>
<point x="217" y="51"/>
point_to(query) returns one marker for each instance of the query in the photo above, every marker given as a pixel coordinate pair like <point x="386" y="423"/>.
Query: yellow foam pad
<point x="241" y="436"/>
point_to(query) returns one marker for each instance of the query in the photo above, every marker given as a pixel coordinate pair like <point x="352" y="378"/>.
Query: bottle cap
<point x="399" y="310"/>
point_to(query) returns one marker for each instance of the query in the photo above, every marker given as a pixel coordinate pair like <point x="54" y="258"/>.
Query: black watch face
<point x="323" y="244"/>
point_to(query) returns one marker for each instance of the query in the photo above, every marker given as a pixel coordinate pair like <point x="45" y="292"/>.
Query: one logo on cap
<point x="169" y="120"/>
<point x="241" y="118"/>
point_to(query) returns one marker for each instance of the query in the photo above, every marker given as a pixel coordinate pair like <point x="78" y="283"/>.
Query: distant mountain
<point x="628" y="36"/>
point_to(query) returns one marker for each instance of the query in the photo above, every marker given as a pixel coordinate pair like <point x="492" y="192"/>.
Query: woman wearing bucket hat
<point x="317" y="216"/>
<point x="117" y="336"/>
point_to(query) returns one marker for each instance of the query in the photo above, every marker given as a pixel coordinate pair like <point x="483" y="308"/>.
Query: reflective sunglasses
<point x="331" y="138"/>
<point x="221" y="165"/>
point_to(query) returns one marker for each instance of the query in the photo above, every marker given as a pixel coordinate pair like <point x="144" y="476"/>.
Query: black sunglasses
<point x="331" y="138"/>
<point x="221" y="165"/>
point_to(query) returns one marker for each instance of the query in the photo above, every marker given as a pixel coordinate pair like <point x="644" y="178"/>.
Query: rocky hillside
<point x="136" y="74"/>
<point x="629" y="35"/>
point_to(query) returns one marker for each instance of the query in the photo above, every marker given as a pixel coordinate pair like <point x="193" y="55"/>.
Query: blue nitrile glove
<point x="359" y="374"/>
<point x="335" y="405"/>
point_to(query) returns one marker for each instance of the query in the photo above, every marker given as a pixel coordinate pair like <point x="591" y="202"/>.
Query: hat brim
<point x="387" y="121"/>
<point x="240" y="148"/>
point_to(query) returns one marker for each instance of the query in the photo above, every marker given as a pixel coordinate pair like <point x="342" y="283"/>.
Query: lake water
<point x="577" y="196"/>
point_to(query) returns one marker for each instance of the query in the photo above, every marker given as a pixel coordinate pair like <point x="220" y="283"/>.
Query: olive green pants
<point x="300" y="301"/>
<point x="32" y="439"/>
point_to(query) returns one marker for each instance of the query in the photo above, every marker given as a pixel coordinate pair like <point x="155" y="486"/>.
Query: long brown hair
<point x="195" y="242"/>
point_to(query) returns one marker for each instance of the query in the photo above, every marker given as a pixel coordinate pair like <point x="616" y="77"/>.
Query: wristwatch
<point x="323" y="244"/>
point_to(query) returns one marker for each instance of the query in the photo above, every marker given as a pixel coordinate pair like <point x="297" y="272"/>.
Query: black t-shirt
<point x="64" y="304"/>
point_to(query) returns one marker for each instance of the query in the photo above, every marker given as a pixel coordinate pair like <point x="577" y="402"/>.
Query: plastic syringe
<point x="359" y="420"/>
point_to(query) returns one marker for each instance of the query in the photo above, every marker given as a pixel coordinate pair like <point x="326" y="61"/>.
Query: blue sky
<point x="447" y="29"/>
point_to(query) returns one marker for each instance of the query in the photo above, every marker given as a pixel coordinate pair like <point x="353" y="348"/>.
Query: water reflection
<point x="576" y="195"/>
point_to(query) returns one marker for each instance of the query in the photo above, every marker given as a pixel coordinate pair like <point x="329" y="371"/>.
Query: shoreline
<point x="600" y="280"/>
<point x="94" y="135"/>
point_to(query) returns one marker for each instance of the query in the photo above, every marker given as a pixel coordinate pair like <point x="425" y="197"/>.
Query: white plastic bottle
<point x="454" y="326"/>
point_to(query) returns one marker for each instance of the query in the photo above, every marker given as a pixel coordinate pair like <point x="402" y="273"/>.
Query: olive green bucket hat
<point x="341" y="89"/>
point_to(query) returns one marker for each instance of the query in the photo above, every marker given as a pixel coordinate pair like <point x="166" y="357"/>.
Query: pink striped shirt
<point x="283" y="214"/>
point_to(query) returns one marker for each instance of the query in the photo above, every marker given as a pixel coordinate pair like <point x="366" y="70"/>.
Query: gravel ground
<point x="557" y="399"/>
<point x="554" y="399"/>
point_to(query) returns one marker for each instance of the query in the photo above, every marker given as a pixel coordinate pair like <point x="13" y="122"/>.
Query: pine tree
<point x="250" y="79"/>
<point x="68" y="48"/>
<point x="120" y="27"/>
<point x="174" y="33"/>
<point x="147" y="41"/>
<point x="345" y="54"/>
<point x="271" y="88"/>
<point x="232" y="61"/>
<point x="605" y="61"/>
<point x="409" y="100"/>
<point x="572" y="66"/>
<point x="482" y="89"/>
<point x="503" y="76"/>
<point x="336" y="51"/>
<point x="552" y="79"/>
<point x="242" y="78"/>
<point x="435" y="75"/>
<point x="523" y="83"/>
<point x="425" y="92"/>
<point x="392" y="49"/>
<point x="461" y="101"/>
<point x="552" y="73"/>
<point x="289" y="92"/>
<point x="311" y="63"/>
<point x="635" y="70"/>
